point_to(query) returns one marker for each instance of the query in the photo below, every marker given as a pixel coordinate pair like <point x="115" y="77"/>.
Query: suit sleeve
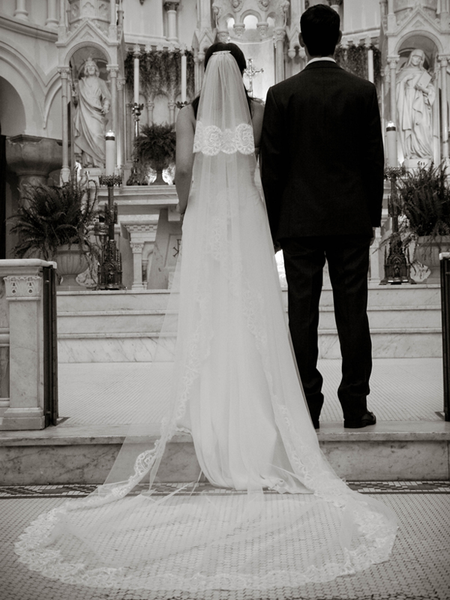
<point x="374" y="161"/>
<point x="272" y="162"/>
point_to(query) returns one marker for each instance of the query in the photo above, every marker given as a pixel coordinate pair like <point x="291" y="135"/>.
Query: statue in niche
<point x="92" y="99"/>
<point x="415" y="95"/>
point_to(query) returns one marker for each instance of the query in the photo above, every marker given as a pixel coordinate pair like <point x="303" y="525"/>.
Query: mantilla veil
<point x="235" y="389"/>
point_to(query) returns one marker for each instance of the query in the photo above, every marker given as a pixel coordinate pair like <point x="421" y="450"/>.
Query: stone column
<point x="23" y="292"/>
<point x="172" y="112"/>
<point x="112" y="14"/>
<point x="370" y="70"/>
<point x="392" y="62"/>
<point x="120" y="134"/>
<point x="21" y="10"/>
<point x="65" y="170"/>
<point x="137" y="265"/>
<point x="443" y="62"/>
<point x="279" y="35"/>
<point x="113" y="70"/>
<point x="171" y="8"/>
<point x="51" y="21"/>
<point x="129" y="130"/>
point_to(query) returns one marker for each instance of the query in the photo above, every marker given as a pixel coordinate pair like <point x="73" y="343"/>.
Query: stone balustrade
<point x="22" y="344"/>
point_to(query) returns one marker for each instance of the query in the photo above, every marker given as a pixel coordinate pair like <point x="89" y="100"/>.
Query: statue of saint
<point x="93" y="102"/>
<point x="415" y="96"/>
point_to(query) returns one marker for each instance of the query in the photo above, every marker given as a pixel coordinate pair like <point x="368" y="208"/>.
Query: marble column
<point x="172" y="106"/>
<point x="129" y="130"/>
<point x="279" y="35"/>
<point x="137" y="265"/>
<point x="65" y="170"/>
<point x="120" y="134"/>
<point x="21" y="10"/>
<point x="392" y="62"/>
<point x="113" y="70"/>
<point x="51" y="21"/>
<point x="370" y="69"/>
<point x="23" y="292"/>
<point x="443" y="62"/>
<point x="171" y="8"/>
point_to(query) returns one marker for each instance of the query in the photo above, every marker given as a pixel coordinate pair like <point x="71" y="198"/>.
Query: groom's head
<point x="319" y="26"/>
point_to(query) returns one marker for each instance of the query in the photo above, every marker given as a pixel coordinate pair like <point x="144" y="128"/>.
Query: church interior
<point x="90" y="91"/>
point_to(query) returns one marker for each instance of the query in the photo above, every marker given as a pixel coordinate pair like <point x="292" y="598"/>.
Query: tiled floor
<point x="405" y="389"/>
<point x="417" y="570"/>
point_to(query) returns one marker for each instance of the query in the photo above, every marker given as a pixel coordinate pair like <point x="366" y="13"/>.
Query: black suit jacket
<point x="322" y="155"/>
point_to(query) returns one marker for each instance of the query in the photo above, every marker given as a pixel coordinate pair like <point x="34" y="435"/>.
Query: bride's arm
<point x="184" y="155"/>
<point x="257" y="121"/>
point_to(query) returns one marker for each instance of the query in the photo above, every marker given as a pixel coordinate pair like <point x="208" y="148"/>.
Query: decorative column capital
<point x="23" y="287"/>
<point x="443" y="59"/>
<point x="279" y="34"/>
<point x="171" y="5"/>
<point x="121" y="81"/>
<point x="64" y="72"/>
<point x="393" y="60"/>
<point x="136" y="247"/>
<point x="112" y="70"/>
<point x="136" y="51"/>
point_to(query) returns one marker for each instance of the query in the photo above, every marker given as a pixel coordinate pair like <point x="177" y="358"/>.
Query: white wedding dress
<point x="237" y="391"/>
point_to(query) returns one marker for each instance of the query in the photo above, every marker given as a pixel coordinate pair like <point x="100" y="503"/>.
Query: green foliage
<point x="156" y="145"/>
<point x="52" y="216"/>
<point x="354" y="59"/>
<point x="424" y="199"/>
<point x="160" y="73"/>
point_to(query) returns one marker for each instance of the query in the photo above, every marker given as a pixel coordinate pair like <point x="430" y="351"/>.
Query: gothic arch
<point x="24" y="78"/>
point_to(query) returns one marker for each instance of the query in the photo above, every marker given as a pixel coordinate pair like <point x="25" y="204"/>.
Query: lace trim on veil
<point x="211" y="140"/>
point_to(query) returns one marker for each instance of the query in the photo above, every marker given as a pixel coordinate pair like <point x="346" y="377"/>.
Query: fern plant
<point x="53" y="216"/>
<point x="424" y="199"/>
<point x="156" y="145"/>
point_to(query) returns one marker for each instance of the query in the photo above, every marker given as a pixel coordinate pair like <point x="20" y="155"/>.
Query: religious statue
<point x="92" y="100"/>
<point x="415" y="96"/>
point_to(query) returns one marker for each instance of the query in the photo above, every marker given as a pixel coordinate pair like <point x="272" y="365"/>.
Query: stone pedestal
<point x="22" y="301"/>
<point x="142" y="232"/>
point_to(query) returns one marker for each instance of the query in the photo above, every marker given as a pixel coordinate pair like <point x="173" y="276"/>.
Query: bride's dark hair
<point x="239" y="57"/>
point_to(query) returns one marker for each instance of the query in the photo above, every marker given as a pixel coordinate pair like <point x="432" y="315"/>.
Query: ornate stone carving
<point x="23" y="287"/>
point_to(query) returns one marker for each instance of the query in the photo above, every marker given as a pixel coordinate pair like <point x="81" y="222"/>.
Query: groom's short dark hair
<point x="319" y="25"/>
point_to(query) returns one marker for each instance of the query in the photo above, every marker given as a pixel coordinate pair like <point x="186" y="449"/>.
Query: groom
<point x="322" y="172"/>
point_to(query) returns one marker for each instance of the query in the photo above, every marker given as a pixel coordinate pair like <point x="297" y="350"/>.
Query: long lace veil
<point x="231" y="383"/>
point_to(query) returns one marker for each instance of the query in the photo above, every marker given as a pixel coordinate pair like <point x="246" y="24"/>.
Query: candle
<point x="391" y="143"/>
<point x="110" y="153"/>
<point x="370" y="65"/>
<point x="136" y="74"/>
<point x="183" y="75"/>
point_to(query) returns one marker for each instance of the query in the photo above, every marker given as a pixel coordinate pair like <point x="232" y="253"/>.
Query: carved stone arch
<point x="419" y="33"/>
<point x="23" y="77"/>
<point x="52" y="92"/>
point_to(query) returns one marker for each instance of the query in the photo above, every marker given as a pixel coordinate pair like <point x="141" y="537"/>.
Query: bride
<point x="236" y="390"/>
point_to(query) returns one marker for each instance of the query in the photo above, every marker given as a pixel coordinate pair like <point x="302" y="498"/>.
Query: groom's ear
<point x="300" y="39"/>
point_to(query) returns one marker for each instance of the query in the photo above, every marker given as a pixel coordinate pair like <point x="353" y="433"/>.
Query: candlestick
<point x="391" y="144"/>
<point x="183" y="75"/>
<point x="110" y="153"/>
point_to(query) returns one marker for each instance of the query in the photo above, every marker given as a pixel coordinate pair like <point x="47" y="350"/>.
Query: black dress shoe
<point x="368" y="419"/>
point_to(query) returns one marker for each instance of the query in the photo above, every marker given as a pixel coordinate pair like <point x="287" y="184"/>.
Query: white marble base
<point x="388" y="451"/>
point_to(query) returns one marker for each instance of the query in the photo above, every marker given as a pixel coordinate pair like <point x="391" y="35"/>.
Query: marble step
<point x="122" y="326"/>
<point x="389" y="451"/>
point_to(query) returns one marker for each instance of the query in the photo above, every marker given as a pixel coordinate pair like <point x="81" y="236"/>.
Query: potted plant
<point x="423" y="197"/>
<point x="155" y="146"/>
<point x="55" y="223"/>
